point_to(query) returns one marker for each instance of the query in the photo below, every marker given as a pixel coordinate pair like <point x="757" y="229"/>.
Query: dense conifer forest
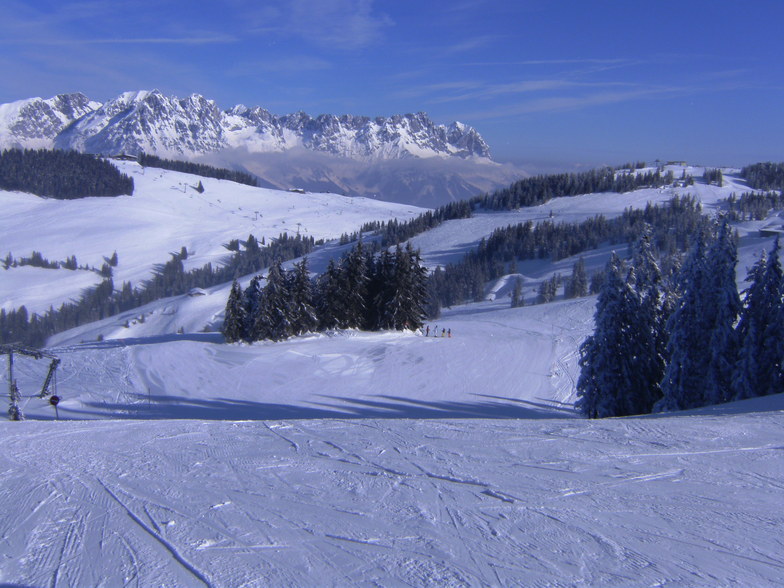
<point x="64" y="175"/>
<point x="360" y="291"/>
<point x="197" y="169"/>
<point x="753" y="206"/>
<point x="764" y="176"/>
<point x="689" y="342"/>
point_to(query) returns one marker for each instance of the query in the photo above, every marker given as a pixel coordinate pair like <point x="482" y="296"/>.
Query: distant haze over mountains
<point x="404" y="158"/>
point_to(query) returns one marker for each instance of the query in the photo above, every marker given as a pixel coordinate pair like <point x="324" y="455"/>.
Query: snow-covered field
<point x="687" y="500"/>
<point x="364" y="458"/>
<point x="164" y="214"/>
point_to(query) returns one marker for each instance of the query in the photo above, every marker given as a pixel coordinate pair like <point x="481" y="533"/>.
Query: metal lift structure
<point x="14" y="410"/>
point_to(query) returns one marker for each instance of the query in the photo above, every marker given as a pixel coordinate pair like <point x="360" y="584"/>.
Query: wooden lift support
<point x="14" y="412"/>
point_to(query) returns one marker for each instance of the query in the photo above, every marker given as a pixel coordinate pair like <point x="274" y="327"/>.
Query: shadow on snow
<point x="377" y="407"/>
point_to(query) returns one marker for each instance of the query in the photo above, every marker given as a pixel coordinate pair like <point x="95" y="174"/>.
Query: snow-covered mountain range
<point x="187" y="127"/>
<point x="354" y="155"/>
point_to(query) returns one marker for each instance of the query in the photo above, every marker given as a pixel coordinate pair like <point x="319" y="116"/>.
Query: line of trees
<point x="197" y="169"/>
<point x="64" y="175"/>
<point x="665" y="345"/>
<point x="37" y="259"/>
<point x="764" y="176"/>
<point x="713" y="176"/>
<point x="753" y="206"/>
<point x="169" y="279"/>
<point x="361" y="291"/>
<point x="673" y="226"/>
<point x="525" y="192"/>
<point x="540" y="189"/>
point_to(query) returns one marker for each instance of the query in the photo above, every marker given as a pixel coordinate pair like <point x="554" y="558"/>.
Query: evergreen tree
<point x="723" y="306"/>
<point x="330" y="298"/>
<point x="303" y="312"/>
<point x="235" y="318"/>
<point x="412" y="288"/>
<point x="758" y="370"/>
<point x="648" y="336"/>
<point x="517" y="293"/>
<point x="250" y="300"/>
<point x="273" y="316"/>
<point x="353" y="285"/>
<point x="605" y="366"/>
<point x="771" y="362"/>
<point x="578" y="284"/>
<point x="381" y="292"/>
<point x="688" y="327"/>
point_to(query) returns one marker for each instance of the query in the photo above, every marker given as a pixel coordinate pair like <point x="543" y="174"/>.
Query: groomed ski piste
<point x="351" y="458"/>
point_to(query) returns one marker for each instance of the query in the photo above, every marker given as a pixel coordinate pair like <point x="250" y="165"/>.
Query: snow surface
<point x="164" y="214"/>
<point x="352" y="458"/>
<point x="692" y="500"/>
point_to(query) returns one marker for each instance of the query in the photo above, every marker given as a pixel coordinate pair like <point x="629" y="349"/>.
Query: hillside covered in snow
<point x="349" y="457"/>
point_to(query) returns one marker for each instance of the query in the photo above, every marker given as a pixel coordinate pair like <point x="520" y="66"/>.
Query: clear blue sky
<point x="545" y="82"/>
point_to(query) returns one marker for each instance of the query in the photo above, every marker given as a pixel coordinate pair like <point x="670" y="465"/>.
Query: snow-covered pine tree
<point x="577" y="285"/>
<point x="273" y="317"/>
<point x="605" y="363"/>
<point x="758" y="371"/>
<point x="353" y="284"/>
<point x="723" y="306"/>
<point x="235" y="319"/>
<point x="517" y="293"/>
<point x="414" y="284"/>
<point x="688" y="327"/>
<point x="771" y="363"/>
<point x="329" y="298"/>
<point x="381" y="291"/>
<point x="303" y="313"/>
<point x="250" y="302"/>
<point x="750" y="333"/>
<point x="395" y="312"/>
<point x="647" y="337"/>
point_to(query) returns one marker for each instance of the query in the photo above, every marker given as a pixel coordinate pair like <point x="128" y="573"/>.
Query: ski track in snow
<point x="686" y="501"/>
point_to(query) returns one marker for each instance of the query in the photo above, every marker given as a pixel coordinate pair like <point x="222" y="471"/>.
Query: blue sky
<point x="547" y="83"/>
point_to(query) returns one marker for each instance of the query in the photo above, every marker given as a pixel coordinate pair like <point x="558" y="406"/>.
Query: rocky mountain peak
<point x="186" y="127"/>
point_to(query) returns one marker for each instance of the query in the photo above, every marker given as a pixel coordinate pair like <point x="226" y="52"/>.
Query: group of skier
<point x="444" y="332"/>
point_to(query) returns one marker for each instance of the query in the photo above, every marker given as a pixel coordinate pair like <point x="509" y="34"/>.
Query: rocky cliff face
<point x="35" y="123"/>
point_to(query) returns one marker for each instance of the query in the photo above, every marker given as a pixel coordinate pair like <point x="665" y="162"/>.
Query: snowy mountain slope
<point x="378" y="458"/>
<point x="164" y="214"/>
<point x="682" y="500"/>
<point x="131" y="354"/>
<point x="147" y="370"/>
<point x="34" y="123"/>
